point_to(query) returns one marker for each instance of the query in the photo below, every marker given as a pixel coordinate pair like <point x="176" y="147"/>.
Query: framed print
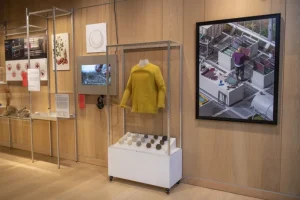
<point x="96" y="38"/>
<point x="62" y="57"/>
<point x="237" y="69"/>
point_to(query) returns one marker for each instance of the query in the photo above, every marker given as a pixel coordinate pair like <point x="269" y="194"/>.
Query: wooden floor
<point x="22" y="179"/>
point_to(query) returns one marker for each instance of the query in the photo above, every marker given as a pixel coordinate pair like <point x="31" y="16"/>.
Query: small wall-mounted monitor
<point x="92" y="75"/>
<point x="95" y="74"/>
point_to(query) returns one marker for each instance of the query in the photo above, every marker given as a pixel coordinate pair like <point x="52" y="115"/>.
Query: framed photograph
<point x="237" y="69"/>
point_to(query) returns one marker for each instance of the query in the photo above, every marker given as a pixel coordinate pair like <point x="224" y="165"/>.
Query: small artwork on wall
<point x="62" y="53"/>
<point x="96" y="38"/>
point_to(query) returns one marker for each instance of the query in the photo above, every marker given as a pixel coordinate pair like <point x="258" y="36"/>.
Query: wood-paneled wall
<point x="250" y="159"/>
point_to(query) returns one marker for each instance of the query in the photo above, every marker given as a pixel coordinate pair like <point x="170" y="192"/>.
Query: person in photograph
<point x="239" y="58"/>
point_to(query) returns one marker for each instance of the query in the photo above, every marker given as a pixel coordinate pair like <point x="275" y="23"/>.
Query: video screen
<point x="237" y="69"/>
<point x="95" y="74"/>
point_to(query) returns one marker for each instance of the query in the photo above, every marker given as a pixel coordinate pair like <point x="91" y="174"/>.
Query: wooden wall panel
<point x="290" y="162"/>
<point x="237" y="153"/>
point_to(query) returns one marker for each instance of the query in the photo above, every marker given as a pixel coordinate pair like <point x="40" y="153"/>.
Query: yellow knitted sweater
<point x="147" y="89"/>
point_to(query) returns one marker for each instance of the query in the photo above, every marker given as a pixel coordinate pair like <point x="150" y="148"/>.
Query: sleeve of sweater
<point x="161" y="88"/>
<point x="127" y="93"/>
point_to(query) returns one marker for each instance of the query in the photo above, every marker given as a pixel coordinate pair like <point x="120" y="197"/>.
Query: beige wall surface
<point x="251" y="159"/>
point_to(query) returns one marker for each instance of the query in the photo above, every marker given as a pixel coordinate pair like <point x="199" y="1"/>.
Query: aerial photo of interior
<point x="225" y="94"/>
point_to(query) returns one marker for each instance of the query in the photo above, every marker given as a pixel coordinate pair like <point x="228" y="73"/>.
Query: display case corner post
<point x="30" y="100"/>
<point x="108" y="99"/>
<point x="169" y="95"/>
<point x="74" y="86"/>
<point x="123" y="88"/>
<point x="180" y="93"/>
<point x="54" y="49"/>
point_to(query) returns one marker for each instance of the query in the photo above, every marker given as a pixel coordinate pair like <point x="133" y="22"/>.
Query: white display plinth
<point x="149" y="168"/>
<point x="145" y="165"/>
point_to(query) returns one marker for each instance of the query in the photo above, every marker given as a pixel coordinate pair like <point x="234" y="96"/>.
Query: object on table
<point x="148" y="145"/>
<point x="158" y="146"/>
<point x="155" y="137"/>
<point x="145" y="136"/>
<point x="23" y="113"/>
<point x="161" y="142"/>
<point x="211" y="74"/>
<point x="152" y="141"/>
<point x="142" y="139"/>
<point x="129" y="142"/>
<point x="165" y="138"/>
<point x="138" y="143"/>
<point x="232" y="81"/>
<point x="10" y="110"/>
<point x="221" y="83"/>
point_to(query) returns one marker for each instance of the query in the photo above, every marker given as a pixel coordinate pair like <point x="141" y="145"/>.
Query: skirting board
<point x="236" y="189"/>
<point x="92" y="161"/>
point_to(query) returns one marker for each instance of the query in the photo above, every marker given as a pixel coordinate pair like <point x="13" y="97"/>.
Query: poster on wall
<point x="237" y="68"/>
<point x="96" y="38"/>
<point x="16" y="57"/>
<point x="62" y="57"/>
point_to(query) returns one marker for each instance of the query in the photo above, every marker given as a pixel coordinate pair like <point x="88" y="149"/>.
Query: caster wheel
<point x="111" y="178"/>
<point x="167" y="190"/>
<point x="178" y="182"/>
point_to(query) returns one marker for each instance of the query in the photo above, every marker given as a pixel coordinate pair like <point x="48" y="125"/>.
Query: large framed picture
<point x="237" y="69"/>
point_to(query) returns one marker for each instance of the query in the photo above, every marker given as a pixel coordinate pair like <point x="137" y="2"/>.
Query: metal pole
<point x="9" y="131"/>
<point x="61" y="10"/>
<point x="49" y="97"/>
<point x="57" y="139"/>
<point x="107" y="98"/>
<point x="169" y="97"/>
<point x="48" y="69"/>
<point x="30" y="103"/>
<point x="40" y="12"/>
<point x="56" y="88"/>
<point x="21" y="33"/>
<point x="62" y="15"/>
<point x="180" y="97"/>
<point x="123" y="87"/>
<point x="54" y="51"/>
<point x="74" y="86"/>
<point x="50" y="138"/>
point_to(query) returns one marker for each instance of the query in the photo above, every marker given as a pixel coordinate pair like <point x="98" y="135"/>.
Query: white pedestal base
<point x="149" y="168"/>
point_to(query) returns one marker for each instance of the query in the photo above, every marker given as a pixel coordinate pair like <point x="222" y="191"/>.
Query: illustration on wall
<point x="16" y="57"/>
<point x="96" y="38"/>
<point x="237" y="69"/>
<point x="62" y="57"/>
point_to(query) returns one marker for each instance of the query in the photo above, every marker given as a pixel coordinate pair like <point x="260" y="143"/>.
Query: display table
<point x="213" y="88"/>
<point x="9" y="118"/>
<point x="48" y="116"/>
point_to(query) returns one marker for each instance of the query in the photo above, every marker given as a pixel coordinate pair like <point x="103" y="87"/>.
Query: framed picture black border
<point x="277" y="16"/>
